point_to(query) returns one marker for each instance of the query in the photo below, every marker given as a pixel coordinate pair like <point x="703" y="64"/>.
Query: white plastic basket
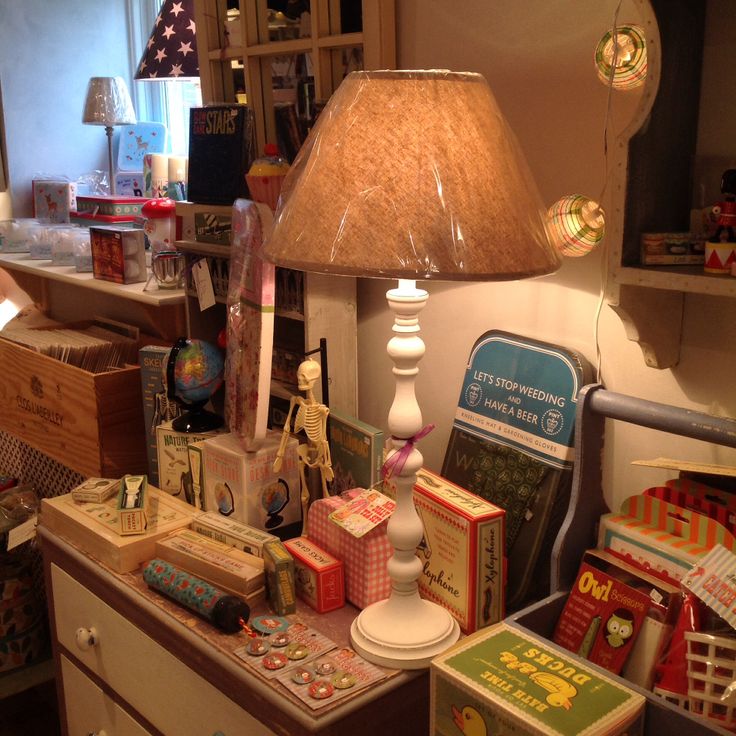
<point x="711" y="675"/>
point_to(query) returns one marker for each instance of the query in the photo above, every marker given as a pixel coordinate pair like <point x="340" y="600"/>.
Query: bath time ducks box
<point x="502" y="681"/>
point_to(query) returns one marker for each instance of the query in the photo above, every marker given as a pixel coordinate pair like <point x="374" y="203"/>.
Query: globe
<point x="195" y="371"/>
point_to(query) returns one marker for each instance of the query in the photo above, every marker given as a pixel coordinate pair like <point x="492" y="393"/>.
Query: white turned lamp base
<point x="404" y="631"/>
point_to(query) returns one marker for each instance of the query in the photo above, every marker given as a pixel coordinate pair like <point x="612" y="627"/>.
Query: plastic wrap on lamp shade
<point x="412" y="174"/>
<point x="108" y="102"/>
<point x="576" y="225"/>
<point x="624" y="48"/>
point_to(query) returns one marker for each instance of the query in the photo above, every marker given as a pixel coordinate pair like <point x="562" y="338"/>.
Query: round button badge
<point x="295" y="650"/>
<point x="302" y="676"/>
<point x="275" y="661"/>
<point x="257" y="646"/>
<point x="343" y="680"/>
<point x="321" y="689"/>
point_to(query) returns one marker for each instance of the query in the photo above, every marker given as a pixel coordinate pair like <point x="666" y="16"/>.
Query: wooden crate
<point x="89" y="422"/>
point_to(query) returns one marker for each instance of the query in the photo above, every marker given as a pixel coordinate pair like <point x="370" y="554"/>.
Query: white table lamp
<point x="410" y="175"/>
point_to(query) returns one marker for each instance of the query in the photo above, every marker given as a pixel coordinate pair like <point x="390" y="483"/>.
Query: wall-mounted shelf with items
<point x="283" y="65"/>
<point x="60" y="290"/>
<point x="654" y="173"/>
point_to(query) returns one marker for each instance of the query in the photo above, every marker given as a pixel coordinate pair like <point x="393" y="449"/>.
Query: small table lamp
<point x="410" y="175"/>
<point x="108" y="103"/>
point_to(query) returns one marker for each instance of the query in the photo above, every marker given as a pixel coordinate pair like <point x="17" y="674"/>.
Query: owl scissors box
<point x="504" y="681"/>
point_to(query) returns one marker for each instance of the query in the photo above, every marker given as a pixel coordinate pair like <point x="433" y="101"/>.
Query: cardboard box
<point x="173" y="457"/>
<point x="53" y="199"/>
<point x="129" y="183"/>
<point x="213" y="561"/>
<point x="280" y="577"/>
<point x="671" y="249"/>
<point x="94" y="527"/>
<point x="319" y="576"/>
<point x="504" y="681"/>
<point x="660" y="537"/>
<point x="462" y="552"/>
<point x="157" y="408"/>
<point x="233" y="532"/>
<point x="96" y="490"/>
<point x="118" y="254"/>
<point x="365" y="558"/>
<point x="244" y="486"/>
<point x="90" y="422"/>
<point x="132" y="504"/>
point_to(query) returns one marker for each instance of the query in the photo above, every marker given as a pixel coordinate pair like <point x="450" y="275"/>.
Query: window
<point x="166" y="102"/>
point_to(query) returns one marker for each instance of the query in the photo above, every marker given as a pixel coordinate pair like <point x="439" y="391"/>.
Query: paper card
<point x="203" y="284"/>
<point x="365" y="512"/>
<point x="22" y="533"/>
<point x="299" y="635"/>
<point x="713" y="580"/>
<point x="352" y="673"/>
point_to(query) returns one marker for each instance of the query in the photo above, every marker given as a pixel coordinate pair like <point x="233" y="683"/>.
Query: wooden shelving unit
<point x="326" y="46"/>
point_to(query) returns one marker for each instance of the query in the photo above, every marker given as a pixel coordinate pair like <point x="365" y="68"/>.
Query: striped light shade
<point x="625" y="48"/>
<point x="576" y="225"/>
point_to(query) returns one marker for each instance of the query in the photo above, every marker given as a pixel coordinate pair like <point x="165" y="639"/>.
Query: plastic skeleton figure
<point x="311" y="418"/>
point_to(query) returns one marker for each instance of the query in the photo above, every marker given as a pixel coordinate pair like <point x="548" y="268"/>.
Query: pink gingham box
<point x="365" y="558"/>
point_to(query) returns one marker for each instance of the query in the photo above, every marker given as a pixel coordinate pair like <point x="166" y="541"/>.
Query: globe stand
<point x="197" y="419"/>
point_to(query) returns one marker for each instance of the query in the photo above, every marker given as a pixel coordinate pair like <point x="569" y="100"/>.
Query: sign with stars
<point x="171" y="51"/>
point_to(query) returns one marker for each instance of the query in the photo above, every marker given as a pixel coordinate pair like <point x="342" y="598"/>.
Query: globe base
<point x="197" y="420"/>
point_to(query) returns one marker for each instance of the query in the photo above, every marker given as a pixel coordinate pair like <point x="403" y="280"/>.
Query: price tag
<point x="203" y="284"/>
<point x="22" y="533"/>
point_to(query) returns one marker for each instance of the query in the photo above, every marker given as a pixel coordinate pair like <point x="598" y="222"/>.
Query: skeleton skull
<point x="307" y="373"/>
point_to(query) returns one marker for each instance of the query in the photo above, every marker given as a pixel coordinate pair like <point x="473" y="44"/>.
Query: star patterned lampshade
<point x="171" y="51"/>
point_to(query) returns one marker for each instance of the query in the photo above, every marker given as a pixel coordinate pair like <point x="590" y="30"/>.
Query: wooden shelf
<point x="22" y="262"/>
<point x="690" y="279"/>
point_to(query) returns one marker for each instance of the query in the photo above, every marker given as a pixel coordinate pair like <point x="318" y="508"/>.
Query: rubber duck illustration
<point x="560" y="691"/>
<point x="469" y="721"/>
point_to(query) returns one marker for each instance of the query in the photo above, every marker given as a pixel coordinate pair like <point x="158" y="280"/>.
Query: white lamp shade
<point x="108" y="102"/>
<point x="414" y="175"/>
<point x="577" y="225"/>
<point x="621" y="57"/>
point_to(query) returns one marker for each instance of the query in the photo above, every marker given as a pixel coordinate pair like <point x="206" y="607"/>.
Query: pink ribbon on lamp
<point x="397" y="461"/>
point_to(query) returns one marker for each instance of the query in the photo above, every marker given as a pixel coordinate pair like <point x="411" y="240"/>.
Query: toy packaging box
<point x="232" y="532"/>
<point x="356" y="450"/>
<point x="462" y="552"/>
<point x="504" y="681"/>
<point x="118" y="254"/>
<point x="660" y="537"/>
<point x="365" y="557"/>
<point x="173" y="458"/>
<point x="244" y="486"/>
<point x="318" y="576"/>
<point x="54" y="200"/>
<point x="280" y="577"/>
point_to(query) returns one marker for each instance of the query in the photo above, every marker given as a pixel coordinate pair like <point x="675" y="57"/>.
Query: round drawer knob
<point x="86" y="639"/>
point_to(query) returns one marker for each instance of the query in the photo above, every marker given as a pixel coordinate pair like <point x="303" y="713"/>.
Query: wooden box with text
<point x="89" y="422"/>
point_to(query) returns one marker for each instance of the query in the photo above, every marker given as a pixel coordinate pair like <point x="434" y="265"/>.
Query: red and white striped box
<point x="365" y="558"/>
<point x="319" y="576"/>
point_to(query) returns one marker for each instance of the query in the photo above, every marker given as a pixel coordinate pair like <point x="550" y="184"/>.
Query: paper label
<point x="203" y="284"/>
<point x="713" y="580"/>
<point x="363" y="513"/>
<point x="22" y="533"/>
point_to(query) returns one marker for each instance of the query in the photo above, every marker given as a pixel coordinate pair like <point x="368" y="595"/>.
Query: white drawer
<point x="154" y="682"/>
<point x="90" y="711"/>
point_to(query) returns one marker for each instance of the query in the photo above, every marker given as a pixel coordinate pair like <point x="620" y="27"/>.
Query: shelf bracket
<point x="652" y="318"/>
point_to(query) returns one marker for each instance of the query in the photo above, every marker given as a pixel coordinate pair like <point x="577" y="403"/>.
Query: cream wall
<point x="537" y="56"/>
